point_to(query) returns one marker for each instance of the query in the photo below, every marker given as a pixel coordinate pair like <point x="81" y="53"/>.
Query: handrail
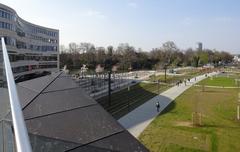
<point x="20" y="131"/>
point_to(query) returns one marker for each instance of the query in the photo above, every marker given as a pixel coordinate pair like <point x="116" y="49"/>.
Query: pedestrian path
<point x="138" y="119"/>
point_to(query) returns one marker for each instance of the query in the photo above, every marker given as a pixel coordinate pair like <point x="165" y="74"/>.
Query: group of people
<point x="184" y="81"/>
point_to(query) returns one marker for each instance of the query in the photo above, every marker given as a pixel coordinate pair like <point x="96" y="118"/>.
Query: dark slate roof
<point x="60" y="117"/>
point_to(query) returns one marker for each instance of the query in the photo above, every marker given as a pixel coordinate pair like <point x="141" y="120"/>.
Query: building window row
<point x="42" y="48"/>
<point x="22" y="45"/>
<point x="20" y="32"/>
<point x="49" y="66"/>
<point x="11" y="27"/>
<point x="10" y="41"/>
<point x="48" y="40"/>
<point x="21" y="69"/>
<point x="8" y="26"/>
<point x="6" y="15"/>
<point x="43" y="31"/>
<point x="19" y="57"/>
<point x="24" y="68"/>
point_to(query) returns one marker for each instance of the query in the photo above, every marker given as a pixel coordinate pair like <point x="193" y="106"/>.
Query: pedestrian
<point x="195" y="78"/>
<point x="158" y="106"/>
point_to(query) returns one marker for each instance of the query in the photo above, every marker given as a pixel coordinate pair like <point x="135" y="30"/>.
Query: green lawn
<point x="172" y="131"/>
<point x="193" y="72"/>
<point x="125" y="101"/>
<point x="220" y="81"/>
<point x="186" y="74"/>
<point x="170" y="78"/>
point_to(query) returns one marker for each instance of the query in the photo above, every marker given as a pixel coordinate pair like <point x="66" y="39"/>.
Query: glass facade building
<point x="31" y="48"/>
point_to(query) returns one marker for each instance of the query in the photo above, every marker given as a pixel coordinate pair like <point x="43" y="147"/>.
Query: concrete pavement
<point x="138" y="119"/>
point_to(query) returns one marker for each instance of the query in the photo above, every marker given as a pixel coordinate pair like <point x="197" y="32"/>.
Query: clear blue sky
<point x="141" y="23"/>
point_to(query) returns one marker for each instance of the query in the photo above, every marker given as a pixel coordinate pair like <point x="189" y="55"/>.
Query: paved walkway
<point x="138" y="119"/>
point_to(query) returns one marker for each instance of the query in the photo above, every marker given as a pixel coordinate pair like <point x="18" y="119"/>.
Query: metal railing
<point x="20" y="131"/>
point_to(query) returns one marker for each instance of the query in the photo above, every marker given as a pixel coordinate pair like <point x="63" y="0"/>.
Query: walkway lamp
<point x="165" y="73"/>
<point x="109" y="67"/>
<point x="128" y="97"/>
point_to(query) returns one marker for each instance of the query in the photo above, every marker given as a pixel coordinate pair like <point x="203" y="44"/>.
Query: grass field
<point x="225" y="81"/>
<point x="125" y="101"/>
<point x="170" y="78"/>
<point x="172" y="131"/>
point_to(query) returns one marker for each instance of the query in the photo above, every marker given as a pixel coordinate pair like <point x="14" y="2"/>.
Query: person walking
<point x="158" y="106"/>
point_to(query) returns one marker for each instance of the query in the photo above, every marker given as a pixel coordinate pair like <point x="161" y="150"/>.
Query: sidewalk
<point x="137" y="120"/>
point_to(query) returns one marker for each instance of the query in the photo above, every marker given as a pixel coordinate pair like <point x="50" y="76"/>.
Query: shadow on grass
<point x="214" y="91"/>
<point x="219" y="126"/>
<point x="169" y="108"/>
<point x="125" y="101"/>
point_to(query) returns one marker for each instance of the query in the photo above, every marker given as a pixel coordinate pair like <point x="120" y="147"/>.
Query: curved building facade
<point x="31" y="48"/>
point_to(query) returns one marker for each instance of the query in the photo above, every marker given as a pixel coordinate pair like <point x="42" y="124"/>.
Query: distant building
<point x="236" y="58"/>
<point x="200" y="46"/>
<point x="31" y="48"/>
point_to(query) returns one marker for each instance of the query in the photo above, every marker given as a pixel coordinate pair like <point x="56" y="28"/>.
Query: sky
<point x="144" y="24"/>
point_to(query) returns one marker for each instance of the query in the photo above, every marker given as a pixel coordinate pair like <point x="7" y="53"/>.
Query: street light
<point x="109" y="62"/>
<point x="109" y="88"/>
<point x="128" y="97"/>
<point x="165" y="72"/>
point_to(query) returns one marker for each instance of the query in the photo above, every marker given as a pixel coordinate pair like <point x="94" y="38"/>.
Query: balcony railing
<point x="20" y="131"/>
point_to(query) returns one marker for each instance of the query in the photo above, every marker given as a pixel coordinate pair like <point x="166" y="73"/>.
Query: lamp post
<point x="238" y="103"/>
<point x="238" y="107"/>
<point x="109" y="62"/>
<point x="128" y="97"/>
<point x="155" y="73"/>
<point x="109" y="87"/>
<point x="165" y="73"/>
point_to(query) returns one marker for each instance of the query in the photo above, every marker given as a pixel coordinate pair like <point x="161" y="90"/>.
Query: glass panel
<point x="61" y="83"/>
<point x="81" y="125"/>
<point x="44" y="144"/>
<point x="53" y="102"/>
<point x="120" y="142"/>
<point x="9" y="145"/>
<point x="4" y="99"/>
<point x="6" y="132"/>
<point x="1" y="137"/>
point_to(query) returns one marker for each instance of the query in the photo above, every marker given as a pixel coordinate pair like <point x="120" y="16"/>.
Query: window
<point x="5" y="14"/>
<point x="20" y="32"/>
<point x="6" y="26"/>
<point x="21" y="45"/>
<point x="10" y="41"/>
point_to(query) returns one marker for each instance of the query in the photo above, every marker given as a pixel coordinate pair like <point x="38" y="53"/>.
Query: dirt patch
<point x="184" y="123"/>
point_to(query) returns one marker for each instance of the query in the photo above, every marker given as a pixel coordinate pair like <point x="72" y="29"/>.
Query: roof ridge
<point x="42" y="90"/>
